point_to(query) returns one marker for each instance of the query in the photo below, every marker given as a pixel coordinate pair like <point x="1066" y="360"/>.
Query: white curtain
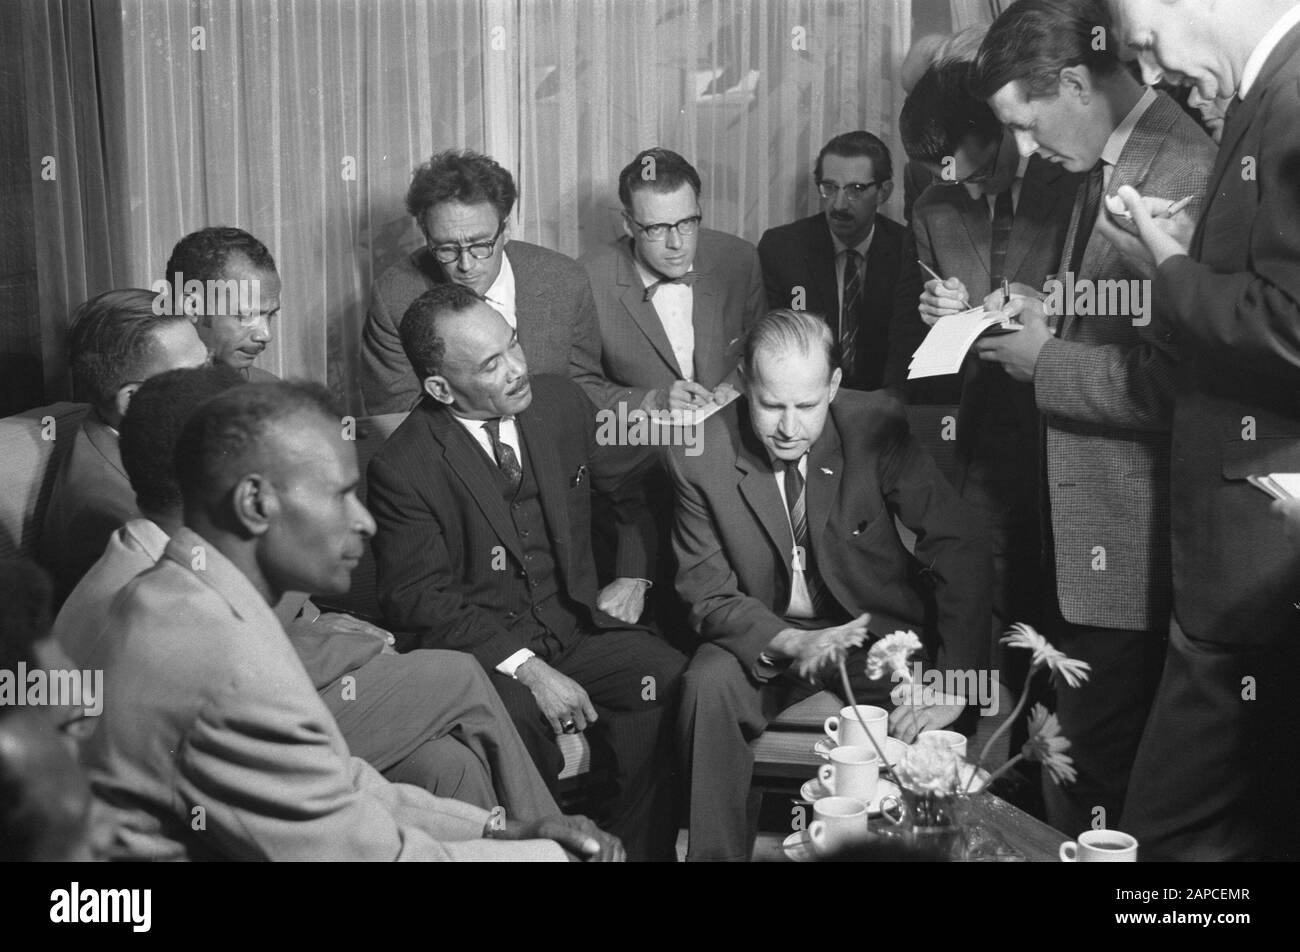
<point x="300" y="121"/>
<point x="973" y="12"/>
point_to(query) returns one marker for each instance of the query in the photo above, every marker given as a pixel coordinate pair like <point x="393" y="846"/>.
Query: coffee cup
<point x="846" y="730"/>
<point x="838" y="822"/>
<point x="1100" y="846"/>
<point x="953" y="740"/>
<point x="852" y="772"/>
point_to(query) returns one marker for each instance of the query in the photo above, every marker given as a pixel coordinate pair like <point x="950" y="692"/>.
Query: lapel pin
<point x="828" y="472"/>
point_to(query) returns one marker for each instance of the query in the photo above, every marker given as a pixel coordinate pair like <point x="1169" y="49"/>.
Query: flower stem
<point x="997" y="773"/>
<point x="1005" y="726"/>
<point x="853" y="703"/>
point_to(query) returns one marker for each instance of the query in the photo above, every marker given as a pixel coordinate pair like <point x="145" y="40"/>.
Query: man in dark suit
<point x="788" y="551"/>
<point x="843" y="263"/>
<point x="461" y="202"/>
<point x="1227" y="291"/>
<point x="1103" y="382"/>
<point x="236" y="299"/>
<point x="989" y="216"/>
<point x="672" y="297"/>
<point x="482" y="497"/>
<point x="115" y="343"/>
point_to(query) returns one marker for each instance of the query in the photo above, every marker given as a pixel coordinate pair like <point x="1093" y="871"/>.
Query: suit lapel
<point x="543" y="454"/>
<point x="819" y="261"/>
<point x="472" y="468"/>
<point x="822" y="485"/>
<point x="758" y="489"/>
<point x="531" y="309"/>
<point x="979" y="228"/>
<point x="706" y="320"/>
<point x="105" y="442"/>
<point x="643" y="312"/>
<point x="1033" y="211"/>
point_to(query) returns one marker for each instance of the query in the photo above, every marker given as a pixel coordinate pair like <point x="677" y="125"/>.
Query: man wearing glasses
<point x="462" y="202"/>
<point x="672" y="297"/>
<point x="843" y="263"/>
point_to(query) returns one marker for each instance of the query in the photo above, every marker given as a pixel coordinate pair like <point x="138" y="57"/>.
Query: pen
<point x="1006" y="292"/>
<point x="934" y="274"/>
<point x="1177" y="207"/>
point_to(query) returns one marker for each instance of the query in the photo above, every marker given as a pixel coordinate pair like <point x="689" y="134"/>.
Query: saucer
<point x="893" y="749"/>
<point x="813" y="791"/>
<point x="798" y="847"/>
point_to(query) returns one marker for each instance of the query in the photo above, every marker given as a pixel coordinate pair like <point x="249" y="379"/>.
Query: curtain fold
<point x="301" y="120"/>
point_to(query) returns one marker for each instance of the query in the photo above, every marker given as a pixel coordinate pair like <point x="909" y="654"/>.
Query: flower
<point x="889" y="655"/>
<point x="929" y="766"/>
<point x="1047" y="746"/>
<point x="1073" y="672"/>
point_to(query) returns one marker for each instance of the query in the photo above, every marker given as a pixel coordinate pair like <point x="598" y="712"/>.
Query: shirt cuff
<point x="511" y="664"/>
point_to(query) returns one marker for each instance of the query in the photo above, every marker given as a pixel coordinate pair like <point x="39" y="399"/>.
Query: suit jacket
<point x="733" y="539"/>
<point x="91" y="498"/>
<point x="1105" y="388"/>
<point x="1232" y="306"/>
<point x="213" y="743"/>
<point x="802" y="255"/>
<point x="553" y="305"/>
<point x="446" y="544"/>
<point x="997" y="423"/>
<point x="636" y="356"/>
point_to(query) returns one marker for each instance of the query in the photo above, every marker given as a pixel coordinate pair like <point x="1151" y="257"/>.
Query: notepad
<point x="944" y="349"/>
<point x="1277" y="485"/>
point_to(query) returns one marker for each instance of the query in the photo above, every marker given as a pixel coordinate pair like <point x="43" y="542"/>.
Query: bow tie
<point x="687" y="279"/>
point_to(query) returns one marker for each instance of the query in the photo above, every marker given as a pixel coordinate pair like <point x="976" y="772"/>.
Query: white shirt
<point x="1260" y="54"/>
<point x="675" y="305"/>
<point x="841" y="260"/>
<point x="1118" y="140"/>
<point x="992" y="200"/>
<point x="801" y="605"/>
<point x="501" y="295"/>
<point x="509" y="434"/>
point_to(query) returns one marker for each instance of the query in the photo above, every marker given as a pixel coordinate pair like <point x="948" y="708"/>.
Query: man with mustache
<point x="1228" y="290"/>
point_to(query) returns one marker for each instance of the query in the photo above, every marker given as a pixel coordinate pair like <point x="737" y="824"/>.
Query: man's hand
<point x="1158" y="237"/>
<point x="1018" y="352"/>
<point x="624" y="598"/>
<point x="993" y="303"/>
<point x="907" y="722"/>
<point x="578" y="836"/>
<point x="724" y="392"/>
<point x="813" y="650"/>
<point x="1289" y="510"/>
<point x="682" y="395"/>
<point x="941" y="298"/>
<point x="559" y="697"/>
<point x="337" y="621"/>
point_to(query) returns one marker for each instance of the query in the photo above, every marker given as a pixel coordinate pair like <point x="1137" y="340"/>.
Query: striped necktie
<point x="796" y="502"/>
<point x="506" y="459"/>
<point x="848" y="311"/>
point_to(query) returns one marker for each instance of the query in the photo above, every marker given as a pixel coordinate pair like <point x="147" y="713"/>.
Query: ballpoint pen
<point x="934" y="274"/>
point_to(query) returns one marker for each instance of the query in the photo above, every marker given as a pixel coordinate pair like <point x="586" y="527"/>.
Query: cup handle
<point x="816" y="832"/>
<point x="1070" y="852"/>
<point x="823" y="749"/>
<point x="826" y="776"/>
<point x="891" y="802"/>
<point x="832" y="728"/>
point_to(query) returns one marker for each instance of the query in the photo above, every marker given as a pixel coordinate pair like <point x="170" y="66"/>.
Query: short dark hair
<point x="153" y="424"/>
<point x="227" y="437"/>
<point x="461" y="176"/>
<point x="1033" y="40"/>
<point x="421" y="337"/>
<point x="853" y="144"/>
<point x="202" y="255"/>
<point x="942" y="111"/>
<point x="112" y="341"/>
<point x="668" y="172"/>
<point x="784" y="330"/>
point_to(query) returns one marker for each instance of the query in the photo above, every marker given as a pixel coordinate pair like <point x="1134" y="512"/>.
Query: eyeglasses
<point x="854" y="191"/>
<point x="659" y="231"/>
<point x="984" y="172"/>
<point x="450" y="254"/>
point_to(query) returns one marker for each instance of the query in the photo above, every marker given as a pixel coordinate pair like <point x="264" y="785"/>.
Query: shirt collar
<point x="647" y="276"/>
<point x="475" y="427"/>
<point x="502" y="290"/>
<point x="862" y="246"/>
<point x="1264" y="49"/>
<point x="1120" y="136"/>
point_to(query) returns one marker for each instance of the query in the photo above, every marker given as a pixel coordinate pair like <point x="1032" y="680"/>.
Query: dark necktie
<point x="1093" y="189"/>
<point x="687" y="279"/>
<point x="506" y="459"/>
<point x="848" y="315"/>
<point x="796" y="502"/>
<point x="1004" y="215"/>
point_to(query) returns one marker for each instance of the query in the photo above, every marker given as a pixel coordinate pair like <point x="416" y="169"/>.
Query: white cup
<point x="852" y="772"/>
<point x="845" y="730"/>
<point x="1100" y="846"/>
<point x="838" y="822"/>
<point x="954" y="740"/>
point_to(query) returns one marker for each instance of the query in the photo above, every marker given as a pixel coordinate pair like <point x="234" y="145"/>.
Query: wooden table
<point x="1032" y="838"/>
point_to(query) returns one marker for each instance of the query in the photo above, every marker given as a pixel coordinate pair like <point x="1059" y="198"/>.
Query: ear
<point x="1076" y="81"/>
<point x="886" y="190"/>
<point x="626" y="219"/>
<point x="438" y="388"/>
<point x="836" y="377"/>
<point x="256" y="503"/>
<point x="122" y="399"/>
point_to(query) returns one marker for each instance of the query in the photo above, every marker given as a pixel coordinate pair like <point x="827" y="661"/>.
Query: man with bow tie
<point x="482" y="499"/>
<point x="790" y="560"/>
<point x="672" y="297"/>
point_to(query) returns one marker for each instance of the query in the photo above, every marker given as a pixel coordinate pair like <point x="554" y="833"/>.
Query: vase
<point x="934" y="824"/>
